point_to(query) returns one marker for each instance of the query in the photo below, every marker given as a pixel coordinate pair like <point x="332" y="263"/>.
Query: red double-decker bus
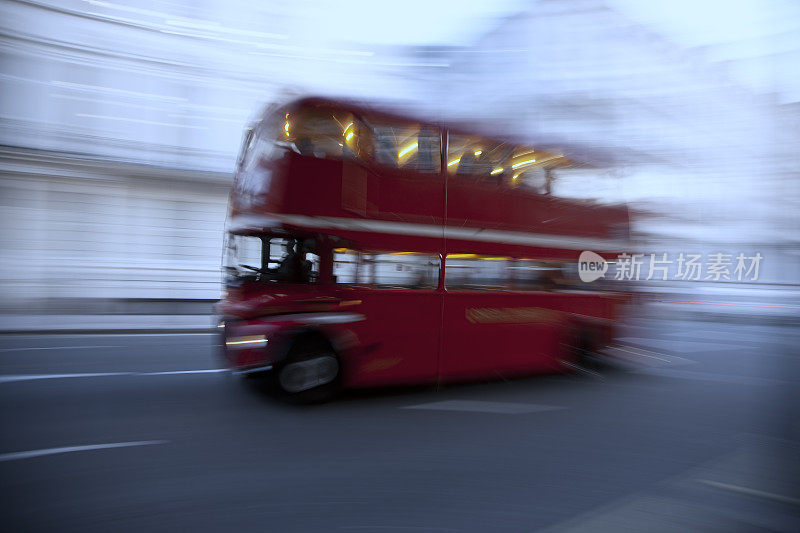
<point x="369" y="249"/>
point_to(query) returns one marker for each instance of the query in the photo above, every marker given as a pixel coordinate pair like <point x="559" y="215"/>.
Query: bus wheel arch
<point x="311" y="370"/>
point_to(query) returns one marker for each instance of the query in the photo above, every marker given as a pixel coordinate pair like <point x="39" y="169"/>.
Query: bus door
<point x="396" y="293"/>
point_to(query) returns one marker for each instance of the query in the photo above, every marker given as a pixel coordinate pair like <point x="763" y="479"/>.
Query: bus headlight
<point x="243" y="343"/>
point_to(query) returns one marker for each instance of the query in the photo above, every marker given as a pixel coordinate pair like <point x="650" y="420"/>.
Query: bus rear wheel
<point x="577" y="353"/>
<point x="310" y="373"/>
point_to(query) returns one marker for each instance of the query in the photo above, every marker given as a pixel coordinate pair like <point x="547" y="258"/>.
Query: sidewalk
<point x="720" y="312"/>
<point x="115" y="324"/>
<point x="775" y="306"/>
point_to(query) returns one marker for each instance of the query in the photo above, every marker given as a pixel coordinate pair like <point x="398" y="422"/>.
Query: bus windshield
<point x="267" y="258"/>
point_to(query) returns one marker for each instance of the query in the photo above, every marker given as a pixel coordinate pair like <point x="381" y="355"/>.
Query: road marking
<point x="485" y="407"/>
<point x="707" y="376"/>
<point x="751" y="492"/>
<point x="173" y="334"/>
<point x="404" y="528"/>
<point x="640" y="352"/>
<point x="68" y="449"/>
<point x="171" y="372"/>
<point x="635" y="354"/>
<point x="29" y="377"/>
<point x="58" y="348"/>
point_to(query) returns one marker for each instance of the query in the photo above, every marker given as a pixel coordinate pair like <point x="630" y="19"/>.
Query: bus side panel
<point x="399" y="340"/>
<point x="492" y="335"/>
<point x="347" y="189"/>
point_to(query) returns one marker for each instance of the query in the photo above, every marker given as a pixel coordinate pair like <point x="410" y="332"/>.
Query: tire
<point x="311" y="372"/>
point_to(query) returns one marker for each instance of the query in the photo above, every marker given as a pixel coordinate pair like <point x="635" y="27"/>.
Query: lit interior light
<point x="408" y="149"/>
<point x="523" y="163"/>
<point x="252" y="341"/>
<point x="515" y="176"/>
<point x="349" y="136"/>
<point x="477" y="152"/>
<point x="286" y="125"/>
<point x="453" y="162"/>
<point x="496" y="171"/>
<point x="349" y="125"/>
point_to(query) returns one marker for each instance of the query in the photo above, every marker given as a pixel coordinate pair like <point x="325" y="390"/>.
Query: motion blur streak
<point x="120" y="126"/>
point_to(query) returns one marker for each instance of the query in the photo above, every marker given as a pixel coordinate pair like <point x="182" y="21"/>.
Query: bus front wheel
<point x="310" y="373"/>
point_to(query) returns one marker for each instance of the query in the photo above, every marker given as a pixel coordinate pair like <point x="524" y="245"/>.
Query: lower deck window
<point x="387" y="270"/>
<point x="479" y="272"/>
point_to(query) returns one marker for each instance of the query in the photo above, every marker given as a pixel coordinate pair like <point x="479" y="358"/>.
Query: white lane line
<point x="58" y="348"/>
<point x="635" y="354"/>
<point x="174" y="334"/>
<point x="68" y="449"/>
<point x="706" y="376"/>
<point x="485" y="407"/>
<point x="29" y="377"/>
<point x="113" y="334"/>
<point x="750" y="492"/>
<point x="171" y="372"/>
<point x="639" y="352"/>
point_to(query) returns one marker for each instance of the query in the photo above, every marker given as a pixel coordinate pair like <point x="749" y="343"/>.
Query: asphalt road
<point x="695" y="429"/>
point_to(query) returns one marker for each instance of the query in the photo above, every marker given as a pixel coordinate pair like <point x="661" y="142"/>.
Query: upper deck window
<point x="501" y="163"/>
<point x="476" y="157"/>
<point x="407" y="146"/>
<point x="325" y="133"/>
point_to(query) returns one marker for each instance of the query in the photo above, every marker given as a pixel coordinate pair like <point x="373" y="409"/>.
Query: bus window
<point x="345" y="266"/>
<point x="242" y="256"/>
<point x="531" y="169"/>
<point x="386" y="270"/>
<point x="477" y="157"/>
<point x="259" y="145"/>
<point x="265" y="258"/>
<point x="502" y="163"/>
<point x="325" y="133"/>
<point x="536" y="275"/>
<point x="532" y="275"/>
<point x="525" y="169"/>
<point x="470" y="271"/>
<point x="407" y="146"/>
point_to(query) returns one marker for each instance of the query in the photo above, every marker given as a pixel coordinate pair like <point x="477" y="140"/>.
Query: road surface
<point x="694" y="428"/>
